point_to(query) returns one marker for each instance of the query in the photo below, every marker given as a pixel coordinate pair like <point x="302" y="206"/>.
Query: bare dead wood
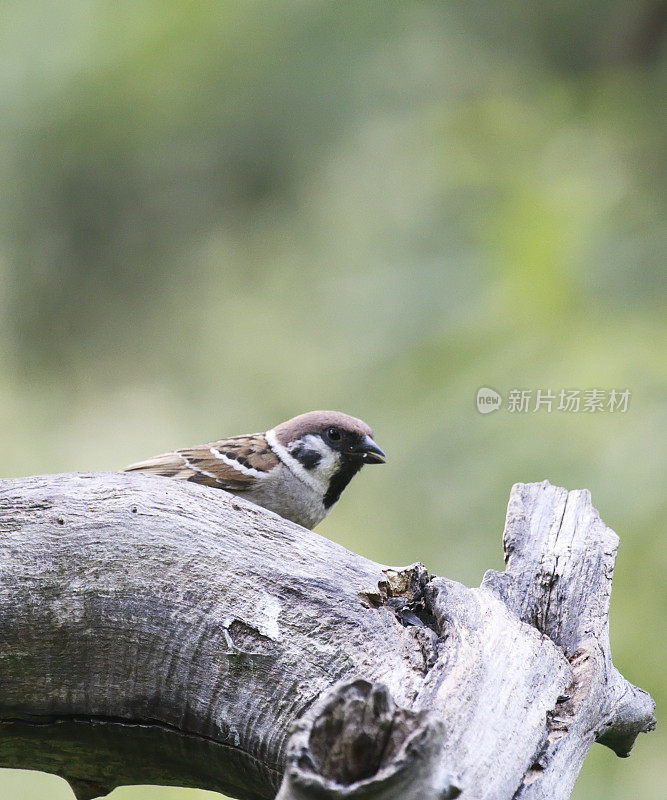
<point x="153" y="631"/>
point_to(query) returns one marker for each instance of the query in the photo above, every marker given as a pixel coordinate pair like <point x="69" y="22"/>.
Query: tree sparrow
<point x="297" y="469"/>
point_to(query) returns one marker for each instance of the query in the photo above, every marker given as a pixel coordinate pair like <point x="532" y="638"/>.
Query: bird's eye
<point x="333" y="435"/>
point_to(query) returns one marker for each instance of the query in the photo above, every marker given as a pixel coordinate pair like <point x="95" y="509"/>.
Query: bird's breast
<point x="287" y="495"/>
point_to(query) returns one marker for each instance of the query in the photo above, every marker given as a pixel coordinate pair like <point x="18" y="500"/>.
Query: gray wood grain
<point x="154" y="631"/>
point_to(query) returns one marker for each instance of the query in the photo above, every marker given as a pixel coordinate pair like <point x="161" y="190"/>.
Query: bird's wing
<point x="234" y="464"/>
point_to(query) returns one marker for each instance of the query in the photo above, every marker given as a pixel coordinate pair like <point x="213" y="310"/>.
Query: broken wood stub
<point x="355" y="742"/>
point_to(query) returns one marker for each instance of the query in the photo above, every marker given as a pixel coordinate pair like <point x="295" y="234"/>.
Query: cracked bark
<point x="153" y="631"/>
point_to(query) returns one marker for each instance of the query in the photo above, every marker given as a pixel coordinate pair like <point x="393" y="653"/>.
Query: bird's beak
<point x="371" y="452"/>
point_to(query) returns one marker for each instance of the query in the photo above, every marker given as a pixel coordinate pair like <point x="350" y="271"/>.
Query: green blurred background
<point x="217" y="215"/>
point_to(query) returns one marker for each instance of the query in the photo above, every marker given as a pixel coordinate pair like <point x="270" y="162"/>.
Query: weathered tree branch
<point x="153" y="631"/>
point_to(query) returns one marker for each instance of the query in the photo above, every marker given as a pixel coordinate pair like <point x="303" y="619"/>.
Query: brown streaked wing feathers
<point x="200" y="465"/>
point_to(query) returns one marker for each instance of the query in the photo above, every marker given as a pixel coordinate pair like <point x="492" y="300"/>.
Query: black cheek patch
<point x="297" y="451"/>
<point x="309" y="458"/>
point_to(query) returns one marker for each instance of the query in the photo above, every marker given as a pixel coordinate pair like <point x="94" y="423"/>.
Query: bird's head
<point x="330" y="447"/>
